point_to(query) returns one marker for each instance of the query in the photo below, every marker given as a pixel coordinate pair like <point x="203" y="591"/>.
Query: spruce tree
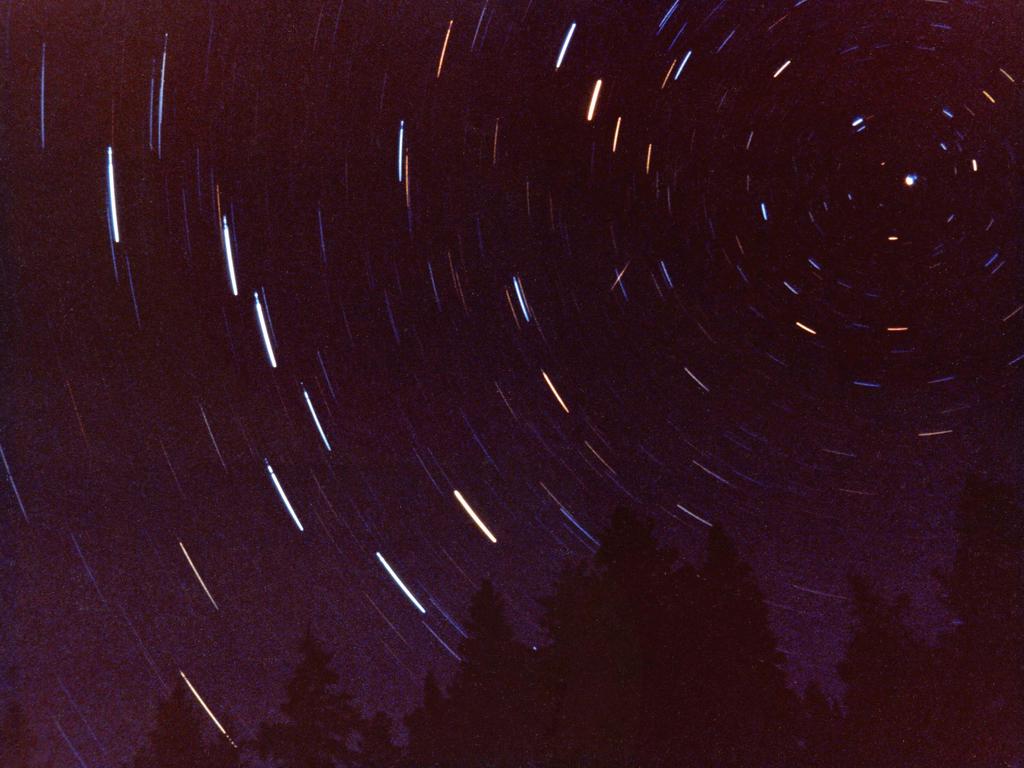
<point x="428" y="744"/>
<point x="982" y="658"/>
<point x="486" y="713"/>
<point x="820" y="720"/>
<point x="890" y="677"/>
<point x="600" y="672"/>
<point x="376" y="749"/>
<point x="181" y="737"/>
<point x="319" y="721"/>
<point x="747" y="713"/>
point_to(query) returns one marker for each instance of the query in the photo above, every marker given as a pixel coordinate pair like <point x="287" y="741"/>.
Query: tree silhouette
<point x="982" y="659"/>
<point x="818" y="729"/>
<point x="889" y="673"/>
<point x="672" y="703"/>
<point x="178" y="737"/>
<point x="629" y="554"/>
<point x="745" y="710"/>
<point x="486" y="711"/>
<point x="376" y="749"/>
<point x="594" y="668"/>
<point x="320" y="722"/>
<point x="651" y="664"/>
<point x="428" y="741"/>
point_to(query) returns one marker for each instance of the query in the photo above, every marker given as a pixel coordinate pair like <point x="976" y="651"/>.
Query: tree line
<point x="650" y="662"/>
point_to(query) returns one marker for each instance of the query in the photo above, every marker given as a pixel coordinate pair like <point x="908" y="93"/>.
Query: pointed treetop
<point x="723" y="558"/>
<point x="487" y="614"/>
<point x="629" y="548"/>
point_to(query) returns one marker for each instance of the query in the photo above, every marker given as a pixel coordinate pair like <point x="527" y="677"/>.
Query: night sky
<point x="748" y="263"/>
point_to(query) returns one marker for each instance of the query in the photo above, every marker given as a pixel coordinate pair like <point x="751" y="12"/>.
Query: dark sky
<point x="788" y="302"/>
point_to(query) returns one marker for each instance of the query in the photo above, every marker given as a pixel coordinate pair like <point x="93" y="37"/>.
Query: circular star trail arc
<point x="751" y="266"/>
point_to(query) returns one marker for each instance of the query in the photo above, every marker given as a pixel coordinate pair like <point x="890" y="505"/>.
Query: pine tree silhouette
<point x="890" y="678"/>
<point x="593" y="671"/>
<point x="629" y="554"/>
<point x="982" y="658"/>
<point x="428" y="744"/>
<point x="747" y="712"/>
<point x="376" y="749"/>
<point x="486" y="711"/>
<point x="655" y="665"/>
<point x="820" y="721"/>
<point x="320" y="722"/>
<point x="179" y="737"/>
<point x="649" y="664"/>
<point x="673" y="708"/>
<point x="222" y="752"/>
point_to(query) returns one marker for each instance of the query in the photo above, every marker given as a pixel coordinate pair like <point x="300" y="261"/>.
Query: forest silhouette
<point x="654" y="662"/>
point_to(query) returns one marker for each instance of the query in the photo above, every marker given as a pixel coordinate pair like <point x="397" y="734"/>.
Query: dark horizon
<point x="711" y="325"/>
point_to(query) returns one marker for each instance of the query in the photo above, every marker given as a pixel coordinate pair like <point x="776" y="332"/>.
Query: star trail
<point x="304" y="286"/>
